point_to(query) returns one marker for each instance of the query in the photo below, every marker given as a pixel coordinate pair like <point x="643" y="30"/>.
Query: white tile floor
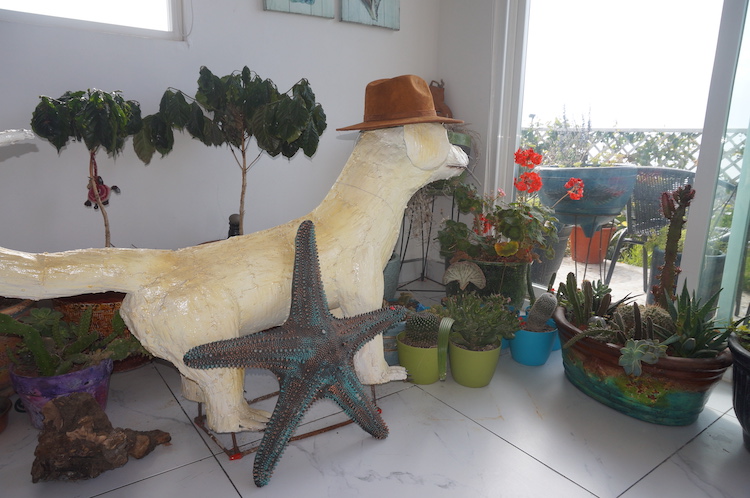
<point x="529" y="433"/>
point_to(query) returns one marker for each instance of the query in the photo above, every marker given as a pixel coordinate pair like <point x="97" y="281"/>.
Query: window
<point x="155" y="18"/>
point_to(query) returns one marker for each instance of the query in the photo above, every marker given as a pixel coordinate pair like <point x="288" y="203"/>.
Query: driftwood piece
<point x="79" y="442"/>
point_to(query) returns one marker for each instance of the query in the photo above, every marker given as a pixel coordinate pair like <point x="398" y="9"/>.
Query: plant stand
<point x="234" y="452"/>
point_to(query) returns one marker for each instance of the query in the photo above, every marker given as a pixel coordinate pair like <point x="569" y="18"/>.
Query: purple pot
<point x="35" y="392"/>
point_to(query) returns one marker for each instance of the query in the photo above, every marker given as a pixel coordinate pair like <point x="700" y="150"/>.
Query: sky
<point x="623" y="63"/>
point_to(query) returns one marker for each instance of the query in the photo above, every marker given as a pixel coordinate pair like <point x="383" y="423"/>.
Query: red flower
<point x="528" y="182"/>
<point x="574" y="186"/>
<point x="528" y="158"/>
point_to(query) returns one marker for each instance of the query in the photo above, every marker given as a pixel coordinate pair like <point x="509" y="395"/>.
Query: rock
<point x="79" y="442"/>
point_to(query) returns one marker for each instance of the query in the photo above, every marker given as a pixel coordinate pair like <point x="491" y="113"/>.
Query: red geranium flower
<point x="574" y="186"/>
<point x="528" y="182"/>
<point x="528" y="158"/>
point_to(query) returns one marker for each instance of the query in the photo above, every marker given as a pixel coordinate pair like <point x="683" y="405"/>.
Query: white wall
<point x="186" y="197"/>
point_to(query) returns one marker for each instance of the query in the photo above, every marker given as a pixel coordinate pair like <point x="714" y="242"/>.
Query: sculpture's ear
<point x="427" y="145"/>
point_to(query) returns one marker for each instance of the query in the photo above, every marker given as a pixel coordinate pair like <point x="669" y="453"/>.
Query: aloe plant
<point x="100" y="120"/>
<point x="231" y="110"/>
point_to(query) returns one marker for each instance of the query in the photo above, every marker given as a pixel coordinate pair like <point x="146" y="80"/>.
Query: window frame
<point x="175" y="33"/>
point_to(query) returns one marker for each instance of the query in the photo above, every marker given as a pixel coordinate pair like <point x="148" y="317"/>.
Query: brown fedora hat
<point x="398" y="101"/>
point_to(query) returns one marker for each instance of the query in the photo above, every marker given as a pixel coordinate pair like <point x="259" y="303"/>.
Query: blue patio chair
<point x="644" y="217"/>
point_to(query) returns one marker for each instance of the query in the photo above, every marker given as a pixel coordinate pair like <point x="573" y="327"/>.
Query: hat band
<point x="402" y="115"/>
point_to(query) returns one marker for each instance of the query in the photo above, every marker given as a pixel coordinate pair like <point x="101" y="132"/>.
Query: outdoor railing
<point x="667" y="148"/>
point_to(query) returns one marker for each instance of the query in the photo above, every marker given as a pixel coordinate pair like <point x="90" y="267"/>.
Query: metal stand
<point x="234" y="452"/>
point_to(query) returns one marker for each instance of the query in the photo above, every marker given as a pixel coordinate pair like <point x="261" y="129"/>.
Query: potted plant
<point x="423" y="347"/>
<point x="231" y="110"/>
<point x="502" y="237"/>
<point x="480" y="323"/>
<point x="533" y="341"/>
<point x="655" y="363"/>
<point x="739" y="344"/>
<point x="100" y="120"/>
<point x="56" y="358"/>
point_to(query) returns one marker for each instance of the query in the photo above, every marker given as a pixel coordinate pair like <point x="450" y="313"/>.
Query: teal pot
<point x="35" y="392"/>
<point x="673" y="391"/>
<point x="741" y="386"/>
<point x="542" y="270"/>
<point x="508" y="279"/>
<point x="421" y="363"/>
<point x="532" y="348"/>
<point x="390" y="345"/>
<point x="606" y="191"/>
<point x="473" y="368"/>
<point x="390" y="277"/>
<point x="713" y="269"/>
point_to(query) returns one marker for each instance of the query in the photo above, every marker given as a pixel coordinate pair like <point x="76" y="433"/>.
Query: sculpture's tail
<point x="47" y="275"/>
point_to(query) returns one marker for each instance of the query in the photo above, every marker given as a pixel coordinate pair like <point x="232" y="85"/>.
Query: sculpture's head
<point x="406" y="101"/>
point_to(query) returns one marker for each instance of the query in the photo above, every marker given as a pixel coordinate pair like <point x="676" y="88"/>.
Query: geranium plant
<point x="504" y="231"/>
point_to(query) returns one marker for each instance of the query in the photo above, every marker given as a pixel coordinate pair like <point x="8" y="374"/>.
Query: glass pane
<point x="729" y="223"/>
<point x="611" y="83"/>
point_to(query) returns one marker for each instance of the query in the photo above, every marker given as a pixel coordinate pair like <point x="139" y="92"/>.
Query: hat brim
<point x="390" y="123"/>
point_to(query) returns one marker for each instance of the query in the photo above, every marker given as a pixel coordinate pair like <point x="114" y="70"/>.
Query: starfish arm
<point x="309" y="303"/>
<point x="360" y="329"/>
<point x="295" y="398"/>
<point x="349" y="393"/>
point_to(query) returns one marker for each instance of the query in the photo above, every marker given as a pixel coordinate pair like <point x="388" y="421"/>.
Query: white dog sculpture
<point x="180" y="299"/>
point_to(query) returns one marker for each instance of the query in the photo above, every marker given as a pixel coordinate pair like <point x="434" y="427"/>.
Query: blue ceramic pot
<point x="532" y="348"/>
<point x="605" y="193"/>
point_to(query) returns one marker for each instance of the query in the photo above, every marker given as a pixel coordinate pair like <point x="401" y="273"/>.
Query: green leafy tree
<point x="99" y="120"/>
<point x="231" y="110"/>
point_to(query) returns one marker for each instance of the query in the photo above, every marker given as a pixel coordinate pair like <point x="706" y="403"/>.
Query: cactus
<point x="53" y="347"/>
<point x="421" y="329"/>
<point x="540" y="312"/>
<point x="674" y="207"/>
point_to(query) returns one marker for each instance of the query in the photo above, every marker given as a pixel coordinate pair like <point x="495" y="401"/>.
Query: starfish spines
<point x="312" y="355"/>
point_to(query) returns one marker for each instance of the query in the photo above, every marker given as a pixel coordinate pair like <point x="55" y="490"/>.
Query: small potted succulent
<point x="533" y="342"/>
<point x="56" y="358"/>
<point x="423" y="347"/>
<point x="480" y="324"/>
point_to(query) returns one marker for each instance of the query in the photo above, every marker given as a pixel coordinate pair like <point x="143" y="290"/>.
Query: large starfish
<point x="312" y="354"/>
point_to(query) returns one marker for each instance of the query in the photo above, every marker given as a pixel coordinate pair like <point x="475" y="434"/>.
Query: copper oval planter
<point x="674" y="391"/>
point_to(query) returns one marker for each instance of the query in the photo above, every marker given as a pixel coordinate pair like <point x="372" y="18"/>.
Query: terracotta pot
<point x="591" y="250"/>
<point x="670" y="392"/>
<point x="14" y="308"/>
<point x="741" y="386"/>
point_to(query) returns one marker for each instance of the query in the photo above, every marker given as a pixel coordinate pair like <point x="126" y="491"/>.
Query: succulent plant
<point x="53" y="347"/>
<point x="421" y="329"/>
<point x="540" y="312"/>
<point x="479" y="321"/>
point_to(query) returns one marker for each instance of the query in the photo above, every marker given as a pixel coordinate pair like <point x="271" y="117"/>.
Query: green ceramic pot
<point x="421" y="363"/>
<point x="473" y="368"/>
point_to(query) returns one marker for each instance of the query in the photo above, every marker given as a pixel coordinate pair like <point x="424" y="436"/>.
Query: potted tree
<point x="480" y="324"/>
<point x="231" y="110"/>
<point x="100" y="120"/>
<point x="56" y="358"/>
<point x="655" y="363"/>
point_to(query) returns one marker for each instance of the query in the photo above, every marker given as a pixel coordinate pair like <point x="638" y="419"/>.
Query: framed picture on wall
<point x="383" y="13"/>
<point x="320" y="8"/>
